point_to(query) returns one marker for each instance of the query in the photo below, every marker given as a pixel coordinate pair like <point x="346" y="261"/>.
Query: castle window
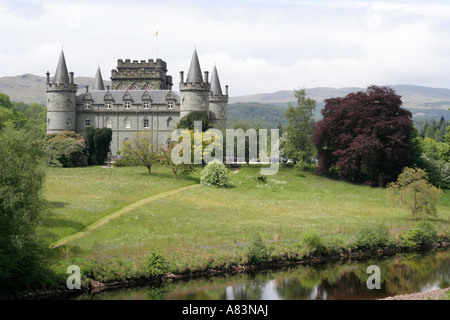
<point x="68" y="122"/>
<point x="146" y="123"/>
<point x="127" y="123"/>
<point x="135" y="86"/>
<point x="127" y="105"/>
<point x="148" y="86"/>
<point x="108" y="123"/>
<point x="87" y="122"/>
<point x="87" y="106"/>
<point x="145" y="105"/>
<point x="121" y="86"/>
<point x="169" y="120"/>
<point x="170" y="105"/>
<point x="108" y="105"/>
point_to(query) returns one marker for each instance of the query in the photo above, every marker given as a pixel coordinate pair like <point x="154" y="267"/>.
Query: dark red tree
<point x="365" y="136"/>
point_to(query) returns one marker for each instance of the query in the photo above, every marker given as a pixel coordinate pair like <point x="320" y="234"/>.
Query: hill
<point x="268" y="114"/>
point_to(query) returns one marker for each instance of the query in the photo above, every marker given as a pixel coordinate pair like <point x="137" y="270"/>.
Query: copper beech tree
<point x="365" y="136"/>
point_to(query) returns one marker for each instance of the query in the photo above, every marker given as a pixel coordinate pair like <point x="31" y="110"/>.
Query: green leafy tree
<point x="413" y="190"/>
<point x="66" y="149"/>
<point x="300" y="128"/>
<point x="142" y="148"/>
<point x="97" y="144"/>
<point x="21" y="207"/>
<point x="181" y="169"/>
<point x="187" y="122"/>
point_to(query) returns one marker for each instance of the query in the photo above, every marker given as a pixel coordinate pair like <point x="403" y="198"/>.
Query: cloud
<point x="258" y="46"/>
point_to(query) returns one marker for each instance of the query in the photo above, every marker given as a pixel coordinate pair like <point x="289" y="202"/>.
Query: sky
<point x="258" y="46"/>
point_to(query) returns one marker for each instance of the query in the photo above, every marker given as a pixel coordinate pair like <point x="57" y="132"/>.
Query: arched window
<point x="68" y="122"/>
<point x="135" y="86"/>
<point x="146" y="123"/>
<point x="87" y="122"/>
<point x="148" y="86"/>
<point x="108" y="123"/>
<point x="169" y="121"/>
<point x="127" y="123"/>
<point x="121" y="86"/>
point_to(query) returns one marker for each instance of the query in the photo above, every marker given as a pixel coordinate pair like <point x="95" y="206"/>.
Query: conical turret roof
<point x="215" y="83"/>
<point x="61" y="74"/>
<point x="98" y="81"/>
<point x="195" y="73"/>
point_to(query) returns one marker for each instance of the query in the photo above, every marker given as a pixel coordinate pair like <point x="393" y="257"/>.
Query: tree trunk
<point x="149" y="167"/>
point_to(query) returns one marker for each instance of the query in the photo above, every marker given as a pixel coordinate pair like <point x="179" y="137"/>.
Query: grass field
<point x="280" y="209"/>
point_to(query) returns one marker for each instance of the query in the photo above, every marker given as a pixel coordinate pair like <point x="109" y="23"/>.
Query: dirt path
<point x="101" y="222"/>
<point x="435" y="294"/>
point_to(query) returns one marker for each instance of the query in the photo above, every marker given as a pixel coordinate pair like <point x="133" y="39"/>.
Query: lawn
<point x="280" y="209"/>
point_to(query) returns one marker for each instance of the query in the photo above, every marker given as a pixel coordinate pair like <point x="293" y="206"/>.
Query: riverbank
<point x="95" y="286"/>
<point x="430" y="295"/>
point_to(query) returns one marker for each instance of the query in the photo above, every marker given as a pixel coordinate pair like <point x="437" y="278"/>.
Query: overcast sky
<point x="259" y="46"/>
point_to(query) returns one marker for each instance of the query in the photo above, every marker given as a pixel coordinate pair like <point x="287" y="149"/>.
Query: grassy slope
<point x="80" y="196"/>
<point x="287" y="203"/>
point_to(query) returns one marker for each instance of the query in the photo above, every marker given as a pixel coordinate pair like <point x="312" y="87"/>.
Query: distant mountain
<point x="267" y="114"/>
<point x="423" y="102"/>
<point x="29" y="88"/>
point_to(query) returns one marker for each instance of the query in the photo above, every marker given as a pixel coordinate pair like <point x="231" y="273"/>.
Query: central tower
<point x="194" y="93"/>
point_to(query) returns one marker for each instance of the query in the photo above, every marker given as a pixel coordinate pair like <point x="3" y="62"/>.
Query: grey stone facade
<point x="141" y="99"/>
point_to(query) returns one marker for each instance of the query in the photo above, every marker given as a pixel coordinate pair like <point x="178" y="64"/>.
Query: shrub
<point x="374" y="237"/>
<point x="127" y="162"/>
<point x="313" y="241"/>
<point x="422" y="235"/>
<point x="215" y="174"/>
<point x="261" y="178"/>
<point x="156" y="265"/>
<point x="65" y="149"/>
<point x="256" y="250"/>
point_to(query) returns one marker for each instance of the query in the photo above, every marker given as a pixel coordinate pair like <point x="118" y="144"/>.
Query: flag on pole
<point x="156" y="33"/>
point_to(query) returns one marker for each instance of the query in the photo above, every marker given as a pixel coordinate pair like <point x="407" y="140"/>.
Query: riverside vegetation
<point x="286" y="217"/>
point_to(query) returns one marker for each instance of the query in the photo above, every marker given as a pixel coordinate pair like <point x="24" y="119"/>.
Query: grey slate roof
<point x="215" y="83"/>
<point x="98" y="81"/>
<point x="61" y="74"/>
<point x="157" y="96"/>
<point x="195" y="73"/>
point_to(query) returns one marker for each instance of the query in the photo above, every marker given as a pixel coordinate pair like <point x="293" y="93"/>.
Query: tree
<point x="413" y="190"/>
<point x="181" y="169"/>
<point x="97" y="144"/>
<point x="300" y="128"/>
<point x="187" y="122"/>
<point x="142" y="147"/>
<point x="365" y="136"/>
<point x="66" y="149"/>
<point x="21" y="206"/>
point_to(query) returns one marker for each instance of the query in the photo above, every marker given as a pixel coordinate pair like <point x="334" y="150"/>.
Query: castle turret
<point x="218" y="102"/>
<point x="61" y="95"/>
<point x="98" y="81"/>
<point x="194" y="93"/>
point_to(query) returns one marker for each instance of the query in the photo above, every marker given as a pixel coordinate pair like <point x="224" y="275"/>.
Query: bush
<point x="66" y="149"/>
<point x="423" y="235"/>
<point x="127" y="162"/>
<point x="261" y="178"/>
<point x="313" y="241"/>
<point x="215" y="174"/>
<point x="374" y="237"/>
<point x="156" y="265"/>
<point x="256" y="250"/>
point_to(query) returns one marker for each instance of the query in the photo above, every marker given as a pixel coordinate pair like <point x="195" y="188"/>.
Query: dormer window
<point x="170" y="105"/>
<point x="108" y="105"/>
<point x="87" y="122"/>
<point x="127" y="105"/>
<point x="87" y="106"/>
<point x="146" y="104"/>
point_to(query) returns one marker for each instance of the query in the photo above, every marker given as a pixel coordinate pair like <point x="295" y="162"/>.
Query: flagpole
<point x="157" y="44"/>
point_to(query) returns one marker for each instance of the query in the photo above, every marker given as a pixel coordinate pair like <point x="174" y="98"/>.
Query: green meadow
<point x="280" y="209"/>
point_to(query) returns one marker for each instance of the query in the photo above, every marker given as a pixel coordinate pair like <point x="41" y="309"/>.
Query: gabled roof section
<point x="215" y="83"/>
<point x="146" y="96"/>
<point x="61" y="74"/>
<point x="195" y="72"/>
<point x="170" y="96"/>
<point x="87" y="97"/>
<point x="127" y="96"/>
<point x="98" y="81"/>
<point x="108" y="96"/>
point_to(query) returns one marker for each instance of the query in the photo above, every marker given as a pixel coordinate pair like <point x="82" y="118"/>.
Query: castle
<point x="140" y="98"/>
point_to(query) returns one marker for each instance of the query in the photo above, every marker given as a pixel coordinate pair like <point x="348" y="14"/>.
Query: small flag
<point x="156" y="33"/>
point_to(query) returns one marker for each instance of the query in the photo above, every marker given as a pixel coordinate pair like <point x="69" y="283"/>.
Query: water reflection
<point x="401" y="274"/>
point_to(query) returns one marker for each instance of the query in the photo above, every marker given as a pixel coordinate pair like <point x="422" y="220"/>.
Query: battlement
<point x="137" y="72"/>
<point x="218" y="98"/>
<point x="61" y="87"/>
<point x="135" y="64"/>
<point x="195" y="86"/>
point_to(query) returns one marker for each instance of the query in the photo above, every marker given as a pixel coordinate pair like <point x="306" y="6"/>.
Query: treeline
<point x="432" y="129"/>
<point x="19" y="115"/>
<point x="267" y="114"/>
